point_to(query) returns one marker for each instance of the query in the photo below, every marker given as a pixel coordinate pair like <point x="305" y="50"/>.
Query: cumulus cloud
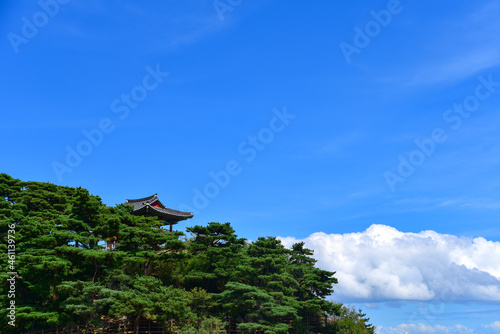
<point x="494" y="325"/>
<point x="424" y="329"/>
<point x="383" y="264"/>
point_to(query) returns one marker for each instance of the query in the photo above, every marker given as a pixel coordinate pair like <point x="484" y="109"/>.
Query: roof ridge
<point x="144" y="199"/>
<point x="146" y="203"/>
<point x="172" y="211"/>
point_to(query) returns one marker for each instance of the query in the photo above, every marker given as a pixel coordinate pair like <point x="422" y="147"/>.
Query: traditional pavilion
<point x="151" y="206"/>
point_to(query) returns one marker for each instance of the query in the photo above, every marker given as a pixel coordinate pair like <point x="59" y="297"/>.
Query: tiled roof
<point x="144" y="205"/>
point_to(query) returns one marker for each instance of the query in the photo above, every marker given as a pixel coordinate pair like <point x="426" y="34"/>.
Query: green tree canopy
<point x="64" y="274"/>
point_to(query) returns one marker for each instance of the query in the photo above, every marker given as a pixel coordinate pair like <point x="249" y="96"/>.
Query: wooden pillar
<point x="171" y="227"/>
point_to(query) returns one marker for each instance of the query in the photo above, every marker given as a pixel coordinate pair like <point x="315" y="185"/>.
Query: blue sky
<point x="366" y="122"/>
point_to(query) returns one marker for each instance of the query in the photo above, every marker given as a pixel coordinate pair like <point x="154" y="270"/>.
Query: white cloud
<point x="383" y="264"/>
<point x="421" y="329"/>
<point x="494" y="325"/>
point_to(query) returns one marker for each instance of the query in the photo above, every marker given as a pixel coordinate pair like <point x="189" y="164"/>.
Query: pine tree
<point x="261" y="293"/>
<point x="216" y="250"/>
<point x="314" y="284"/>
<point x="64" y="275"/>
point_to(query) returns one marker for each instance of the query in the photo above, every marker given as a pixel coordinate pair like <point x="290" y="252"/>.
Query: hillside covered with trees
<point x="207" y="276"/>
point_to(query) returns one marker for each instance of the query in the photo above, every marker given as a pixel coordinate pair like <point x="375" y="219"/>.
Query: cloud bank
<point x="384" y="264"/>
<point x="422" y="329"/>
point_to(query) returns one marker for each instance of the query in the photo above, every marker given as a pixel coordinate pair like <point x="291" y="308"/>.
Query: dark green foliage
<point x="56" y="241"/>
<point x="65" y="276"/>
<point x="262" y="290"/>
<point x="351" y="321"/>
<point x="314" y="284"/>
<point x="216" y="251"/>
